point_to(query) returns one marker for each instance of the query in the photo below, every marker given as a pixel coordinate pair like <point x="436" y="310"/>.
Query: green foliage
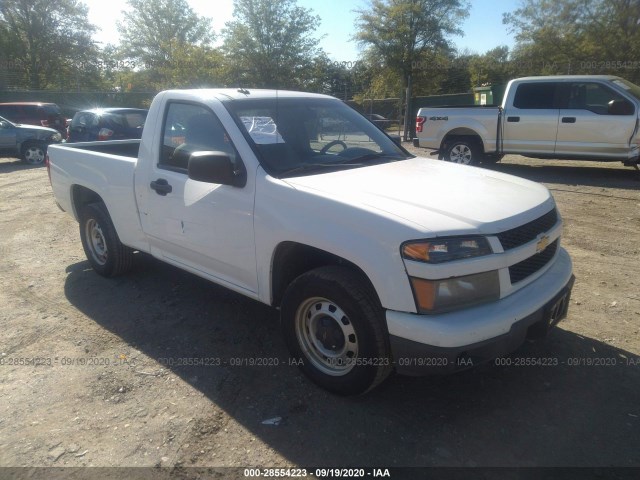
<point x="271" y="44"/>
<point x="491" y="68"/>
<point x="577" y="37"/>
<point x="48" y="43"/>
<point x="155" y="31"/>
<point x="164" y="44"/>
<point x="400" y="32"/>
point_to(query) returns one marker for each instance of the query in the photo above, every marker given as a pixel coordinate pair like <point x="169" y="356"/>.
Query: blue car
<point x="107" y="124"/>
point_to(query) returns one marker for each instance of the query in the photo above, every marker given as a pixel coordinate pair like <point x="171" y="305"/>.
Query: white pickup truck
<point x="377" y="260"/>
<point x="570" y="117"/>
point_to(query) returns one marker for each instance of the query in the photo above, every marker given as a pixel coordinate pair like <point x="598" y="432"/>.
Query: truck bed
<point x="107" y="167"/>
<point x="460" y="120"/>
<point x="123" y="148"/>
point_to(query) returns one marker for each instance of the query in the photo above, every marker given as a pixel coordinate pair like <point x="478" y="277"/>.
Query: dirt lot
<point x="90" y="370"/>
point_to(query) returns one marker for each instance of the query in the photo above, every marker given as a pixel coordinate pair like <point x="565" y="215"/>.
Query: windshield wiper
<point x="373" y="156"/>
<point x="313" y="166"/>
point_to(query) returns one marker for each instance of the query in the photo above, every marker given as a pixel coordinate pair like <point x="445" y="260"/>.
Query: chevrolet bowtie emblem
<point x="543" y="243"/>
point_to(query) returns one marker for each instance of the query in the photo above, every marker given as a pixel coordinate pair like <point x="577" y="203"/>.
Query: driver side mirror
<point x="216" y="167"/>
<point x="620" y="107"/>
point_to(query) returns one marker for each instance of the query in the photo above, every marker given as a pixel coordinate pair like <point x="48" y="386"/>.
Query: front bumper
<point x="437" y="344"/>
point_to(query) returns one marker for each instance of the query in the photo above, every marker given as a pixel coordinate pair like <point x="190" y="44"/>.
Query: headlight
<point x="56" y="137"/>
<point x="439" y="250"/>
<point x="438" y="296"/>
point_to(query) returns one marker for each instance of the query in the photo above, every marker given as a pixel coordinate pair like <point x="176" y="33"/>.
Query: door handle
<point x="161" y="186"/>
<point x="513" y="119"/>
<point x="568" y="119"/>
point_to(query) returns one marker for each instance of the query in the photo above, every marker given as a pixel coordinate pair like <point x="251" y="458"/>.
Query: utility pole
<point x="407" y="111"/>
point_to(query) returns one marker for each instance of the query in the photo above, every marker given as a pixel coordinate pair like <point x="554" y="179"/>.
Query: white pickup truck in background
<point x="377" y="260"/>
<point x="568" y="117"/>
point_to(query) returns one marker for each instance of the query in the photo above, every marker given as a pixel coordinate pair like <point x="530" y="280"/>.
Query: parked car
<point x="378" y="260"/>
<point x="107" y="124"/>
<point x="35" y="113"/>
<point x="380" y="121"/>
<point x="571" y="116"/>
<point x="26" y="141"/>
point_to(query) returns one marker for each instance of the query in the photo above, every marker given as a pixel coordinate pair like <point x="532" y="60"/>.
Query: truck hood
<point x="43" y="131"/>
<point x="432" y="195"/>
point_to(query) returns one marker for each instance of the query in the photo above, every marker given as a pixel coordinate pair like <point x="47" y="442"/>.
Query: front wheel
<point x="464" y="152"/>
<point x="33" y="153"/>
<point x="335" y="329"/>
<point x="106" y="254"/>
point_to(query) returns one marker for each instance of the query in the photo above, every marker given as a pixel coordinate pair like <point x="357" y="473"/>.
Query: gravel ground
<point x="90" y="371"/>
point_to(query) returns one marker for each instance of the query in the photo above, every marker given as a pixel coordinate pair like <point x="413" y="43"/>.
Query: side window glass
<point x="8" y="111"/>
<point x="81" y="120"/>
<point x="537" y="96"/>
<point x="31" y="111"/>
<point x="191" y="128"/>
<point x="593" y="97"/>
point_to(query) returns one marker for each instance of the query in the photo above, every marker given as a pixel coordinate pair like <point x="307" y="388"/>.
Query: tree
<point x="271" y="44"/>
<point x="577" y="36"/>
<point x="154" y="32"/>
<point x="491" y="68"/>
<point x="400" y="32"/>
<point x="50" y="40"/>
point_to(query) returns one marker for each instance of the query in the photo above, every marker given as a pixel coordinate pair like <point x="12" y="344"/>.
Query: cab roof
<point x="225" y="94"/>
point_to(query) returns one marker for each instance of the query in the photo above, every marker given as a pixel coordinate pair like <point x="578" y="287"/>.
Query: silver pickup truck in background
<point x="570" y="117"/>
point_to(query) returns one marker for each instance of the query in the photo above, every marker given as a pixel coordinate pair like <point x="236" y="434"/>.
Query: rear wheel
<point x="33" y="153"/>
<point x="106" y="254"/>
<point x="334" y="326"/>
<point x="463" y="151"/>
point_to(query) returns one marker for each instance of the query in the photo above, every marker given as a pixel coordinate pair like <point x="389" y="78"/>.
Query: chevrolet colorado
<point x="377" y="260"/>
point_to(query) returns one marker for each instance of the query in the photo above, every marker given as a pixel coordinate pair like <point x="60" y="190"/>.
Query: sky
<point x="483" y="28"/>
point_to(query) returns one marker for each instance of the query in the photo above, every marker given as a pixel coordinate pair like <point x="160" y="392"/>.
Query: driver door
<point x="205" y="227"/>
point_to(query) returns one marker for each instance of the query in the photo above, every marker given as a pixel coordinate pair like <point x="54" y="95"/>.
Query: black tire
<point x="463" y="151"/>
<point x="33" y="153"/>
<point x="335" y="329"/>
<point x="106" y="254"/>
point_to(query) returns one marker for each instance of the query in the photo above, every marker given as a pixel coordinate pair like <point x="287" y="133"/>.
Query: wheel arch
<point x="460" y="134"/>
<point x="292" y="259"/>
<point x="81" y="196"/>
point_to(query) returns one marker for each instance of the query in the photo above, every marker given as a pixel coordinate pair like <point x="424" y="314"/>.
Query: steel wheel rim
<point x="326" y="335"/>
<point x="461" y="154"/>
<point x="34" y="155"/>
<point x="96" y="241"/>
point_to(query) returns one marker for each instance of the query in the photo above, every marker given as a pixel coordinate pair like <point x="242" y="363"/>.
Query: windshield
<point x="306" y="135"/>
<point x="131" y="119"/>
<point x="52" y="109"/>
<point x="630" y="88"/>
<point x="2" y="119"/>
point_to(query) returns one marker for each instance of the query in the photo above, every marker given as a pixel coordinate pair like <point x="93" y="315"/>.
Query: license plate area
<point x="557" y="308"/>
